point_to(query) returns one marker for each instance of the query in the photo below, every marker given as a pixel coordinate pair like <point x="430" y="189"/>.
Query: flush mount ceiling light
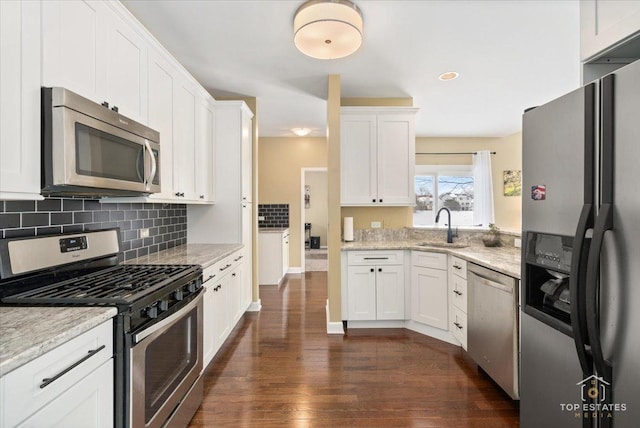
<point x="327" y="29"/>
<point x="301" y="132"/>
<point x="449" y="75"/>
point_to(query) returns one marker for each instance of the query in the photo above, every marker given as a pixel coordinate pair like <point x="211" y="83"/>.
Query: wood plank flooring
<point x="279" y="368"/>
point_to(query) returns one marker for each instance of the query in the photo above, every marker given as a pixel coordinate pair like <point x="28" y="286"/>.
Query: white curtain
<point x="483" y="189"/>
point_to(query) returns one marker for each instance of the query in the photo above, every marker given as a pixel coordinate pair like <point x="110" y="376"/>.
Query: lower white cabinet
<point x="223" y="302"/>
<point x="69" y="386"/>
<point x="458" y="293"/>
<point x="375" y="286"/>
<point x="273" y="247"/>
<point x="429" y="290"/>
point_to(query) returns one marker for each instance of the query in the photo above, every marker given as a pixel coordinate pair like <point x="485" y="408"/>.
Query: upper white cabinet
<point x="20" y="100"/>
<point x="184" y="153"/>
<point x="377" y="156"/>
<point x="205" y="178"/>
<point x="605" y="23"/>
<point x="89" y="49"/>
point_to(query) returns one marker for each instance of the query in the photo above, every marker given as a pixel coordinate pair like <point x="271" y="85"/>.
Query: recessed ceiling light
<point x="301" y="132"/>
<point x="449" y="75"/>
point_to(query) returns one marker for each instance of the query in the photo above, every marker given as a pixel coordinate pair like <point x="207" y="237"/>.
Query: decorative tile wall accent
<point x="275" y="215"/>
<point x="167" y="223"/>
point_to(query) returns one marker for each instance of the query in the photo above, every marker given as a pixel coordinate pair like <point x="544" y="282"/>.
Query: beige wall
<point x="508" y="209"/>
<point x="280" y="161"/>
<point x="317" y="213"/>
<point x="390" y="217"/>
<point x="333" y="151"/>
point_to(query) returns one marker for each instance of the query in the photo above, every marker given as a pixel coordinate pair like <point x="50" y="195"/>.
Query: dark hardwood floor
<point x="279" y="368"/>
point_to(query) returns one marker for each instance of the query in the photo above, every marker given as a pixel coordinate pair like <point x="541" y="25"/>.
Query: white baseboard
<point x="375" y="324"/>
<point x="295" y="270"/>
<point x="255" y="306"/>
<point x="333" y="327"/>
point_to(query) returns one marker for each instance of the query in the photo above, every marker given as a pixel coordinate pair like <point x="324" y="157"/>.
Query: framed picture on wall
<point x="512" y="180"/>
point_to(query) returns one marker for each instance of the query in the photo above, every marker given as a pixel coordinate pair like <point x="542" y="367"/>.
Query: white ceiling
<point x="510" y="55"/>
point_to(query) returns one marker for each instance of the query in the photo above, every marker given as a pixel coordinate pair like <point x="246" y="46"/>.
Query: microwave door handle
<point x="154" y="165"/>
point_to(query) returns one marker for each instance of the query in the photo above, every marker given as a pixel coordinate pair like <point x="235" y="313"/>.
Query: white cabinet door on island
<point x="273" y="250"/>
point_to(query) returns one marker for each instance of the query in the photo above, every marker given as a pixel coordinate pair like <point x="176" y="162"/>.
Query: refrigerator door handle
<point x="577" y="280"/>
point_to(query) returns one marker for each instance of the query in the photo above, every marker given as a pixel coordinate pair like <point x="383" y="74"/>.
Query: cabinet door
<point x="235" y="296"/>
<point x="459" y="292"/>
<point x="162" y="103"/>
<point x="88" y="403"/>
<point x="127" y="70"/>
<point x="74" y="46"/>
<point x="605" y="23"/>
<point x="390" y="292"/>
<point x="358" y="160"/>
<point x="361" y="293"/>
<point x="396" y="159"/>
<point x="205" y="151"/>
<point x="208" y="316"/>
<point x="429" y="297"/>
<point x="285" y="253"/>
<point x="20" y="100"/>
<point x="184" y="159"/>
<point x="220" y="319"/>
<point x="247" y="158"/>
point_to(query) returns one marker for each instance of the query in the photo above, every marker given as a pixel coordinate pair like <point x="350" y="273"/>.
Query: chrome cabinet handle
<point x="154" y="165"/>
<point x="457" y="267"/>
<point x="458" y="325"/>
<point x="48" y="380"/>
<point x="239" y="257"/>
<point x="226" y="267"/>
<point x="457" y="292"/>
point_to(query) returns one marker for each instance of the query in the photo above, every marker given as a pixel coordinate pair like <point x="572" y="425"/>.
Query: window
<point x="448" y="186"/>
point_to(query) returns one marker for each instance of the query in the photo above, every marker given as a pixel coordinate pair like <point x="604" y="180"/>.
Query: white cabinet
<point x="89" y="49"/>
<point x="223" y="306"/>
<point x="205" y="178"/>
<point x="79" y="390"/>
<point x="184" y="153"/>
<point x="273" y="250"/>
<point x="605" y="23"/>
<point x="20" y="100"/>
<point x="377" y="156"/>
<point x="429" y="292"/>
<point x="458" y="293"/>
<point x="375" y="286"/>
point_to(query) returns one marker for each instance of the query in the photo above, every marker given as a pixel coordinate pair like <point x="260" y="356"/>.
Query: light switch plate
<point x="376" y="224"/>
<point x="144" y="233"/>
<point x="260" y="218"/>
<point x="517" y="243"/>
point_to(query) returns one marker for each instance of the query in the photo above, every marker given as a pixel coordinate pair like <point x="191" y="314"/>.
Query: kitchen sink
<point x="443" y="245"/>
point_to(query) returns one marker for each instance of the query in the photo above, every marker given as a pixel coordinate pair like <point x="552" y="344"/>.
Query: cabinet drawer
<point x="375" y="258"/>
<point x="429" y="260"/>
<point x="459" y="292"/>
<point x="458" y="266"/>
<point x="459" y="326"/>
<point x="21" y="389"/>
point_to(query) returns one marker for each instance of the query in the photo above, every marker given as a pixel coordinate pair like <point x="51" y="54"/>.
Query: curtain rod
<point x="450" y="153"/>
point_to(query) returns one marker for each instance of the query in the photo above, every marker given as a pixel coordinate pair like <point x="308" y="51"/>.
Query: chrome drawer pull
<point x="49" y="380"/>
<point x="376" y="258"/>
<point x="458" y="325"/>
<point x="457" y="292"/>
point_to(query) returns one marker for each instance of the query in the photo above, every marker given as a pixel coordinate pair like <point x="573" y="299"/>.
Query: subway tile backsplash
<point x="167" y="223"/>
<point x="275" y="215"/>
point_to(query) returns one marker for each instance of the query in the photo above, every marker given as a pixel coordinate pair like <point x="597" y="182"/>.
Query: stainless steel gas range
<point x="158" y="329"/>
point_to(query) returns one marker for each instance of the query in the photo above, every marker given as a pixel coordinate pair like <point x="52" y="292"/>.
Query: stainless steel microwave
<point x="91" y="150"/>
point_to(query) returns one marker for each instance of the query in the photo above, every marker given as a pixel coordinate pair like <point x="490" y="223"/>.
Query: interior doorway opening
<point x="314" y="216"/>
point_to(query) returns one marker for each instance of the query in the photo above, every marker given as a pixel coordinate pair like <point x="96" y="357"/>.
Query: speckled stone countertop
<point x="272" y="229"/>
<point x="29" y="332"/>
<point x="502" y="259"/>
<point x="204" y="255"/>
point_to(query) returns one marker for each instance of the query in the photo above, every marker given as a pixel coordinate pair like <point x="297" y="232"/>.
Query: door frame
<point x="303" y="171"/>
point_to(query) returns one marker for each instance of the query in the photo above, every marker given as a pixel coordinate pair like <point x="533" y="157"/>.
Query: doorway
<point x="314" y="219"/>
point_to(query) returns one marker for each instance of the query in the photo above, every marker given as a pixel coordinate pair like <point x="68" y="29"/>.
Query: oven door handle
<point x="167" y="321"/>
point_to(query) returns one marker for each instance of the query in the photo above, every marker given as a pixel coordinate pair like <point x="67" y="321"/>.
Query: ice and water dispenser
<point x="546" y="283"/>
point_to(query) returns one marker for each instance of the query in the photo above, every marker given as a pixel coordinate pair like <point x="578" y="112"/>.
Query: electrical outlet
<point x="144" y="233"/>
<point x="376" y="224"/>
<point x="517" y="243"/>
<point x="260" y="218"/>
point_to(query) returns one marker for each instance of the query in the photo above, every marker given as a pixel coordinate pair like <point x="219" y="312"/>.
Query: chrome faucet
<point x="449" y="232"/>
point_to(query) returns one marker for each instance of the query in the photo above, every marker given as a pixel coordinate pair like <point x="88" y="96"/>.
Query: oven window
<point x="167" y="360"/>
<point x="99" y="154"/>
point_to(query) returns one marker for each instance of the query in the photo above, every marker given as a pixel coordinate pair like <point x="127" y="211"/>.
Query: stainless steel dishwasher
<point x="493" y="325"/>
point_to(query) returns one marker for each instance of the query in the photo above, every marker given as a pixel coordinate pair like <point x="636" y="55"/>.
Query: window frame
<point x="437" y="171"/>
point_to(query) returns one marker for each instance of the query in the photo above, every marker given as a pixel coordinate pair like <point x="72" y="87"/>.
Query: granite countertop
<point x="204" y="255"/>
<point x="505" y="260"/>
<point x="29" y="332"/>
<point x="272" y="229"/>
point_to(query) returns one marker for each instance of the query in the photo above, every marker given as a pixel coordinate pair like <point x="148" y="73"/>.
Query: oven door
<point x="166" y="361"/>
<point x="90" y="153"/>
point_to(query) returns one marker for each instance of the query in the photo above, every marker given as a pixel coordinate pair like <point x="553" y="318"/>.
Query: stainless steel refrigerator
<point x="580" y="297"/>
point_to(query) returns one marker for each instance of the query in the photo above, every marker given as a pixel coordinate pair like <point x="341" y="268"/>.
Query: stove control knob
<point x="163" y="305"/>
<point x="178" y="295"/>
<point x="152" y="312"/>
<point x="191" y="287"/>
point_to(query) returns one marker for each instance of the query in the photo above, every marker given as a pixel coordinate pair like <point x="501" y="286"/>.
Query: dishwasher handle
<point x="490" y="283"/>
